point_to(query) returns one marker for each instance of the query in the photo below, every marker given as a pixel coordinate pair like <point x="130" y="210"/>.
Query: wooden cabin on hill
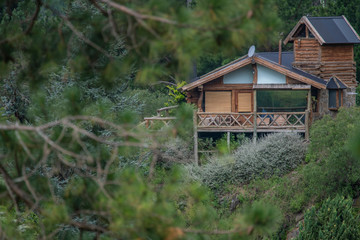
<point x="281" y="91"/>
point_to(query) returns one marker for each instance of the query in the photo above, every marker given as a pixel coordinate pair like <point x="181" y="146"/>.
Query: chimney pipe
<point x="280" y="46"/>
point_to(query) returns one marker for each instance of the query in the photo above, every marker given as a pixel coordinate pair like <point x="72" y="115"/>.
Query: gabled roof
<point x="328" y="30"/>
<point x="267" y="59"/>
<point x="335" y="83"/>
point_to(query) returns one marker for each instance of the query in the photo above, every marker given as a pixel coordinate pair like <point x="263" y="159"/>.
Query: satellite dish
<point x="251" y="51"/>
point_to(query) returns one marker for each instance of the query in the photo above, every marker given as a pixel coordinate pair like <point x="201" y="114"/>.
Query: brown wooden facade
<point x="313" y="55"/>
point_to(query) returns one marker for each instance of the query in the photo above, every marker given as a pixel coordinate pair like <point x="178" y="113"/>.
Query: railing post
<point x="228" y="141"/>
<point x="196" y="154"/>
<point x="307" y="121"/>
<point x="255" y="118"/>
<point x="307" y="116"/>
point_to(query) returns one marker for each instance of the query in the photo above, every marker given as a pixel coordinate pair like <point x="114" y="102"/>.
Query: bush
<point x="334" y="219"/>
<point x="333" y="168"/>
<point x="176" y="150"/>
<point x="274" y="154"/>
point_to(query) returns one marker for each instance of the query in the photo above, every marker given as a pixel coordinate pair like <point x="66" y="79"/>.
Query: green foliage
<point x="176" y="96"/>
<point x="177" y="150"/>
<point x="334" y="219"/>
<point x="19" y="226"/>
<point x="169" y="38"/>
<point x="74" y="177"/>
<point x="184" y="123"/>
<point x="14" y="97"/>
<point x="263" y="218"/>
<point x="275" y="154"/>
<point x="235" y="142"/>
<point x="334" y="167"/>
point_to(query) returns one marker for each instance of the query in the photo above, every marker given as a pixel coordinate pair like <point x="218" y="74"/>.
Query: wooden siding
<point x="326" y="61"/>
<point x="338" y="60"/>
<point x="192" y="96"/>
<point x="306" y="50"/>
<point x="290" y="80"/>
<point x="337" y="53"/>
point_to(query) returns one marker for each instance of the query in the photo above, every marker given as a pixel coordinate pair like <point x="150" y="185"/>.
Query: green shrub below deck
<point x="334" y="219"/>
<point x="275" y="154"/>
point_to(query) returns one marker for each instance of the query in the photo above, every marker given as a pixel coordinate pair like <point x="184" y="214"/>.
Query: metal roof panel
<point x="334" y="30"/>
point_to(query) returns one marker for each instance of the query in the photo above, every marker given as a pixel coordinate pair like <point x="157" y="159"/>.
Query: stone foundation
<point x="349" y="97"/>
<point x="349" y="100"/>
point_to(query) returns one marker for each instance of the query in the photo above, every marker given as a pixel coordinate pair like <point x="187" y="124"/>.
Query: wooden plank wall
<point x="334" y="53"/>
<point x="326" y="61"/>
<point x="306" y="50"/>
<point x="290" y="80"/>
<point x="307" y="54"/>
<point x="338" y="60"/>
<point x="192" y="96"/>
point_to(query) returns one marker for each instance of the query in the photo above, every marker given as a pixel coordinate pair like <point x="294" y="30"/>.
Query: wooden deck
<point x="244" y="122"/>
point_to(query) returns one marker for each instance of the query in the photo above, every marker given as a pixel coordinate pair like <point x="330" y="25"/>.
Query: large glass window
<point x="281" y="100"/>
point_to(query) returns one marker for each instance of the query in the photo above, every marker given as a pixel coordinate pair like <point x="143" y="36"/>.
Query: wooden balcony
<point x="244" y="122"/>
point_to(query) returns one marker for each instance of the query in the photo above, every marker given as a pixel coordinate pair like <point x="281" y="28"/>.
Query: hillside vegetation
<point x="77" y="77"/>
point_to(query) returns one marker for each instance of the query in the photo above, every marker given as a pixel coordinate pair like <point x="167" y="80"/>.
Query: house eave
<point x="216" y="74"/>
<point x="304" y="20"/>
<point x="255" y="59"/>
<point x="282" y="86"/>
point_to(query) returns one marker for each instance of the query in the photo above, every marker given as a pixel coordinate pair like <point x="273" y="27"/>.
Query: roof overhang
<point x="282" y="86"/>
<point x="217" y="73"/>
<point x="349" y="35"/>
<point x="335" y="83"/>
<point x="287" y="72"/>
<point x="245" y="61"/>
<point x="304" y="20"/>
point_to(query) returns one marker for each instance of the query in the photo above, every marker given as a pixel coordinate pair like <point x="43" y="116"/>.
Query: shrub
<point x="333" y="168"/>
<point x="235" y="142"/>
<point x="334" y="219"/>
<point x="176" y="150"/>
<point x="274" y="154"/>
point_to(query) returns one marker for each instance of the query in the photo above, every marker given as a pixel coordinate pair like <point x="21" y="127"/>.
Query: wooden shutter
<point x="244" y="102"/>
<point x="218" y="101"/>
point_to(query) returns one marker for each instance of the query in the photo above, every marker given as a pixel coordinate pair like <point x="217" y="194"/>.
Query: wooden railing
<point x="243" y="120"/>
<point x="292" y="120"/>
<point x="161" y="117"/>
<point x="150" y="121"/>
<point x="281" y="119"/>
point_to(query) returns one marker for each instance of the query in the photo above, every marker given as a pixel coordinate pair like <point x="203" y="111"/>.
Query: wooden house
<point x="281" y="91"/>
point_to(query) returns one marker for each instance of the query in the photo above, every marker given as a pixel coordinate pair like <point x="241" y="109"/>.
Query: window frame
<point x="338" y="99"/>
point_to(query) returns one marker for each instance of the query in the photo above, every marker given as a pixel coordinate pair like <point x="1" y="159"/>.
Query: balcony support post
<point x="196" y="154"/>
<point x="228" y="141"/>
<point x="255" y="117"/>
<point x="307" y="116"/>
